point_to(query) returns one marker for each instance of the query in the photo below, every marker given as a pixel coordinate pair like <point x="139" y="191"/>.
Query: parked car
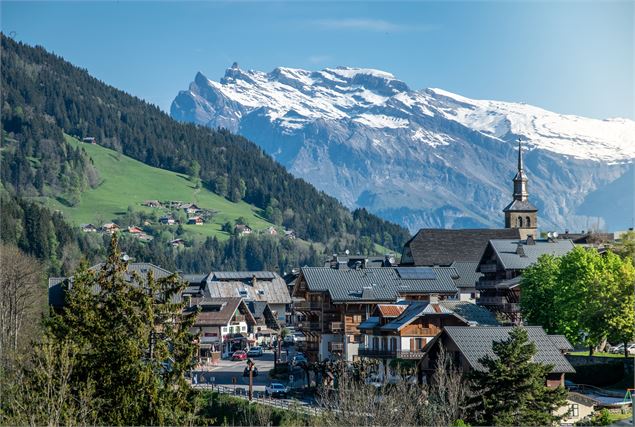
<point x="239" y="355"/>
<point x="619" y="349"/>
<point x="254" y="373"/>
<point x="255" y="352"/>
<point x="276" y="390"/>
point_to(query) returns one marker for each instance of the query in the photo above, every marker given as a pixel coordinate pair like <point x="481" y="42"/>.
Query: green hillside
<point x="127" y="183"/>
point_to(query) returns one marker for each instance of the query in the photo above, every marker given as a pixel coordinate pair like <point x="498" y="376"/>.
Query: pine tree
<point x="514" y="390"/>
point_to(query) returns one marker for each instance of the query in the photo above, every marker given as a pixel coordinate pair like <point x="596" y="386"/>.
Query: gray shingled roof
<point x="561" y="342"/>
<point x="375" y="284"/>
<point x="471" y="312"/>
<point x="56" y="291"/>
<point x="506" y="251"/>
<point x="468" y="276"/>
<point x="436" y="246"/>
<point x="476" y="342"/>
<point x="269" y="287"/>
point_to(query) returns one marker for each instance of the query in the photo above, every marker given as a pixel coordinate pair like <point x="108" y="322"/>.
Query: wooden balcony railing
<point x="489" y="268"/>
<point x="336" y="346"/>
<point x="390" y="354"/>
<point x="307" y="306"/>
<point x="306" y="325"/>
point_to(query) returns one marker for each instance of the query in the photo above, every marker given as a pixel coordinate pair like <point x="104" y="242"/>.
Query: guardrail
<point x="258" y="396"/>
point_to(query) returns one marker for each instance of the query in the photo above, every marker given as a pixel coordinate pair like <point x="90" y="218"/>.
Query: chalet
<point x="402" y="330"/>
<point x="190" y="208"/>
<point x="467" y="345"/>
<point x="152" y="203"/>
<point x="88" y="228"/>
<point x="502" y="264"/>
<point x="89" y="140"/>
<point x="177" y="243"/>
<point x="271" y="231"/>
<point x="134" y="230"/>
<point x="167" y="220"/>
<point x="262" y="286"/>
<point x="333" y="302"/>
<point x="289" y="234"/>
<point x="145" y="237"/>
<point x="222" y="324"/>
<point x="57" y="285"/>
<point x="196" y="220"/>
<point x="110" y="228"/>
<point x="242" y="229"/>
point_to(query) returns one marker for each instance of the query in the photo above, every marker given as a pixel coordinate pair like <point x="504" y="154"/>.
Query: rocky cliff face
<point x="425" y="158"/>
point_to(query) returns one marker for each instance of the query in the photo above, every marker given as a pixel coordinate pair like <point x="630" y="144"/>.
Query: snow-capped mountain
<point x="420" y="158"/>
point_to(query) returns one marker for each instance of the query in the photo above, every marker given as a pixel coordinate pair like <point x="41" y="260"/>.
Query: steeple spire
<point x="520" y="181"/>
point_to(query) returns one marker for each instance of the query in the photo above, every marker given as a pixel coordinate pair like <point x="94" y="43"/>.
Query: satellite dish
<point x="125" y="257"/>
<point x="555" y="234"/>
<point x="347" y="252"/>
<point x="391" y="260"/>
<point x="550" y="234"/>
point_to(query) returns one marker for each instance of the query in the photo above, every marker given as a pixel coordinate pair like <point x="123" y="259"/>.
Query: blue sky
<point x="569" y="57"/>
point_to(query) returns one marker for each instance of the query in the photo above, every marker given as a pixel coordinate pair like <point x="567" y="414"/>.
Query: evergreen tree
<point x="513" y="388"/>
<point x="133" y="340"/>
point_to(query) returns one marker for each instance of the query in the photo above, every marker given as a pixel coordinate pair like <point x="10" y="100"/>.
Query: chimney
<point x="253" y="280"/>
<point x="530" y="240"/>
<point x="520" y="250"/>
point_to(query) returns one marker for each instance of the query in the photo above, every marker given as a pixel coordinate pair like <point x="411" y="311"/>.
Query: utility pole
<point x="250" y="364"/>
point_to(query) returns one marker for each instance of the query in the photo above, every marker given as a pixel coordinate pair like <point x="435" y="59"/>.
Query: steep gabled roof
<point x="511" y="258"/>
<point x="520" y="206"/>
<point x="468" y="312"/>
<point x="476" y="342"/>
<point x="435" y="246"/>
<point x="561" y="342"/>
<point x="382" y="284"/>
<point x="468" y="276"/>
<point x="219" y="311"/>
<point x="267" y="286"/>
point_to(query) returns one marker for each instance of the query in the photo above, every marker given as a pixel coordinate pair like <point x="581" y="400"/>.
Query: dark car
<point x="255" y="352"/>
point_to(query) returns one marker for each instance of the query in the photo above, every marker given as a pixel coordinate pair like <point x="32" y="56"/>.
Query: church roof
<point x="440" y="246"/>
<point x="520" y="206"/>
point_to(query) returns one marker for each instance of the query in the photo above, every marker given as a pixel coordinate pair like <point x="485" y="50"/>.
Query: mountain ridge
<point x="366" y="138"/>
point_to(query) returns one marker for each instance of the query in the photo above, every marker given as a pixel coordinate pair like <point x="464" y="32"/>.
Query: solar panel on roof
<point x="414" y="273"/>
<point x="240" y="275"/>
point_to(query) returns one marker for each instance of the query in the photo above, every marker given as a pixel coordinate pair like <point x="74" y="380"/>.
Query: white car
<point x="619" y="349"/>
<point x="276" y="390"/>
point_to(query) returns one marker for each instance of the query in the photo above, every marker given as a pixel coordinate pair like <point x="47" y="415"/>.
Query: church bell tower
<point x="520" y="213"/>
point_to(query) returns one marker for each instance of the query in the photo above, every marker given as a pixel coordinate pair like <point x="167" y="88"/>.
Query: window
<point x="528" y="222"/>
<point x="223" y="330"/>
<point x="575" y="410"/>
<point x="520" y="222"/>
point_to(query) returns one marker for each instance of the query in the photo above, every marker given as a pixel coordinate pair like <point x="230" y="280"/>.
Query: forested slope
<point x="44" y="96"/>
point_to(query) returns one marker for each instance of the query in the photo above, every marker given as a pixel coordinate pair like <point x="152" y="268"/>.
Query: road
<point x="227" y="370"/>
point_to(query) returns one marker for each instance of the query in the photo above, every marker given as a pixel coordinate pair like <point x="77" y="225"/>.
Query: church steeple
<point x="520" y="213"/>
<point x="520" y="180"/>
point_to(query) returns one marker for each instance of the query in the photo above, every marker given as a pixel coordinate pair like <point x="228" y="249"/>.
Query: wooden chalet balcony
<point x="308" y="306"/>
<point x="336" y="346"/>
<point x="238" y="318"/>
<point x="337" y="326"/>
<point x="310" y="326"/>
<point x="489" y="268"/>
<point x="487" y="284"/>
<point x="492" y="300"/>
<point x="390" y="354"/>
